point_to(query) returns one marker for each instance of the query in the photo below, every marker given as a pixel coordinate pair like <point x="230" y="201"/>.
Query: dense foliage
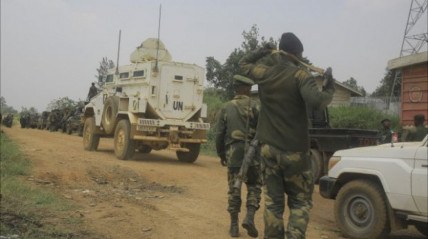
<point x="220" y="75"/>
<point x="359" y="118"/>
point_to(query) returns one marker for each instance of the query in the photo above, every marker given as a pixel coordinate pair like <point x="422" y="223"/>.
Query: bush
<point x="360" y="118"/>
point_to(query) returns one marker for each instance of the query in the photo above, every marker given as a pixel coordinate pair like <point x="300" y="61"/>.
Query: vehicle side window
<point x="109" y="78"/>
<point x="124" y="75"/>
<point x="138" y="73"/>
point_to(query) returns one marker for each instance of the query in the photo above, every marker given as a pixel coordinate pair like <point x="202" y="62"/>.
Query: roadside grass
<point x="29" y="211"/>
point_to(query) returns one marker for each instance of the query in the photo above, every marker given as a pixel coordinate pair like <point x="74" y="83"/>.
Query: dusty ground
<point x="151" y="196"/>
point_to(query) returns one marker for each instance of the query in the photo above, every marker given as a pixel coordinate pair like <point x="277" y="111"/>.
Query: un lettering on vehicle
<point x="177" y="105"/>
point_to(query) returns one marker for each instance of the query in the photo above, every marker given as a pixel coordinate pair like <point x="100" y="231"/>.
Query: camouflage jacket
<point x="385" y="136"/>
<point x="285" y="90"/>
<point x="231" y="128"/>
<point x="417" y="133"/>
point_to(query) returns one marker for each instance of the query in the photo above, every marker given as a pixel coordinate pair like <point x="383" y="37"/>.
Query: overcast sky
<point x="51" y="48"/>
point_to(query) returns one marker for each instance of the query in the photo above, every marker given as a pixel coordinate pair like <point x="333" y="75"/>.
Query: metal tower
<point x="411" y="44"/>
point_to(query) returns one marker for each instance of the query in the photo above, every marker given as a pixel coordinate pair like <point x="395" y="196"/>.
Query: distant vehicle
<point x="43" y="120"/>
<point x="153" y="103"/>
<point x="7" y="120"/>
<point x="379" y="189"/>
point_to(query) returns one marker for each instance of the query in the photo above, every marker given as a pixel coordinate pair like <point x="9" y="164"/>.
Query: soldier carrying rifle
<point x="286" y="88"/>
<point x="236" y="127"/>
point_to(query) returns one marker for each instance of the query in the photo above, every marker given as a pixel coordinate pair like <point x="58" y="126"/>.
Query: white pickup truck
<point x="379" y="189"/>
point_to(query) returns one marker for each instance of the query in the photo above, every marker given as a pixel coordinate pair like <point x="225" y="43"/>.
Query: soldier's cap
<point x="291" y="43"/>
<point x="385" y="120"/>
<point x="242" y="80"/>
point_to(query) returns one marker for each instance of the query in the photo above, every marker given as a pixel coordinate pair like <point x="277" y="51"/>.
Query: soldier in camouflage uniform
<point x="419" y="132"/>
<point x="238" y="120"/>
<point x="286" y="88"/>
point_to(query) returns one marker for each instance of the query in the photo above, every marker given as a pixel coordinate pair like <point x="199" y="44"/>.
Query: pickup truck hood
<point x="400" y="150"/>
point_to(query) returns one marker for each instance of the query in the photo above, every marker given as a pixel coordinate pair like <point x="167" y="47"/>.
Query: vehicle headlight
<point x="333" y="161"/>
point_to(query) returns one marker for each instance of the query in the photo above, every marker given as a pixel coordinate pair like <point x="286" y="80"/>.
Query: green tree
<point x="105" y="65"/>
<point x="61" y="103"/>
<point x="385" y="87"/>
<point x="31" y="110"/>
<point x="352" y="82"/>
<point x="5" y="109"/>
<point x="220" y="75"/>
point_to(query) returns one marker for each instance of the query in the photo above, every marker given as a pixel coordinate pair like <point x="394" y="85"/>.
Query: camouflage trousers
<point x="254" y="189"/>
<point x="286" y="173"/>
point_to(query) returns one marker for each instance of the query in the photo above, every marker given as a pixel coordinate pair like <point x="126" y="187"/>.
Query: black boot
<point x="248" y="222"/>
<point x="234" y="227"/>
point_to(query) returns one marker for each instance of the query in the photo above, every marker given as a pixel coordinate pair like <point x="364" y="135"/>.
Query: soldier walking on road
<point x="236" y="126"/>
<point x="286" y="88"/>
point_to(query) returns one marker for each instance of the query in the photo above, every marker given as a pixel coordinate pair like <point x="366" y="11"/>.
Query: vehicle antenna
<point x="157" y="50"/>
<point x="118" y="51"/>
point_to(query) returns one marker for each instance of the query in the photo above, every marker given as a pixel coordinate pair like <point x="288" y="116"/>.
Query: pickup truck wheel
<point x="192" y="155"/>
<point x="316" y="164"/>
<point x="360" y="210"/>
<point x="90" y="139"/>
<point x="124" y="146"/>
<point x="422" y="228"/>
<point x="108" y="119"/>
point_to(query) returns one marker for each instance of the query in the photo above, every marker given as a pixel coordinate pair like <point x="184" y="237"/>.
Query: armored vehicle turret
<point x="153" y="103"/>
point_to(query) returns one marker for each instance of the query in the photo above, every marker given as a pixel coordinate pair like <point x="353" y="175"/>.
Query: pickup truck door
<point x="420" y="179"/>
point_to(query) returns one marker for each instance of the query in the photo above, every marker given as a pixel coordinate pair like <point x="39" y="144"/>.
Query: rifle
<point x="327" y="74"/>
<point x="249" y="156"/>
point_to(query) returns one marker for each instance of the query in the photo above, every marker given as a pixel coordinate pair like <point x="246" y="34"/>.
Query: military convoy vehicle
<point x="74" y="122"/>
<point x="7" y="120"/>
<point x="54" y="120"/>
<point x="325" y="141"/>
<point x="43" y="120"/>
<point x="153" y="103"/>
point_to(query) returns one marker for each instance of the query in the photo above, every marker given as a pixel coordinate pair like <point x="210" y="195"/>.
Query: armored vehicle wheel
<point x="144" y="149"/>
<point x="316" y="164"/>
<point x="360" y="210"/>
<point x="192" y="155"/>
<point x="108" y="119"/>
<point x="422" y="228"/>
<point x="90" y="139"/>
<point x="124" y="146"/>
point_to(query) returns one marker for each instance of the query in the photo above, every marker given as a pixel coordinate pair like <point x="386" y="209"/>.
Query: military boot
<point x="234" y="227"/>
<point x="248" y="222"/>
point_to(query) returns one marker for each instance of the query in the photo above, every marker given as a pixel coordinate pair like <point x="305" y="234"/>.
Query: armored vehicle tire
<point x="360" y="210"/>
<point x="422" y="228"/>
<point x="108" y="119"/>
<point x="192" y="155"/>
<point x="90" y="139"/>
<point x="124" y="146"/>
<point x="316" y="164"/>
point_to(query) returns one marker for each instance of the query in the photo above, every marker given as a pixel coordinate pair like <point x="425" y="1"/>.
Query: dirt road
<point x="151" y="196"/>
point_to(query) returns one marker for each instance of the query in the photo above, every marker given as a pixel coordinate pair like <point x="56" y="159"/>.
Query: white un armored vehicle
<point x="153" y="103"/>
